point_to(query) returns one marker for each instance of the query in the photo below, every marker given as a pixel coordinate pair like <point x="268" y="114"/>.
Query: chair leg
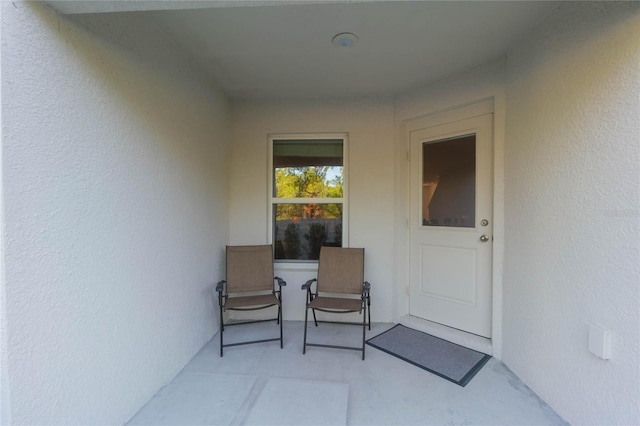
<point x="221" y="331"/>
<point x="364" y="328"/>
<point x="304" y="343"/>
<point x="280" y="321"/>
<point x="369" y="310"/>
<point x="314" y="317"/>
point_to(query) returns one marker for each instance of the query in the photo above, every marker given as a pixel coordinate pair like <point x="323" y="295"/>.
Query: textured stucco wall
<point x="4" y="364"/>
<point x="369" y="123"/>
<point x="116" y="212"/>
<point x="572" y="221"/>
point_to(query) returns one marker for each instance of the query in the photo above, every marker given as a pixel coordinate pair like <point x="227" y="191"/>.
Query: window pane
<point x="449" y="182"/>
<point x="301" y="229"/>
<point x="308" y="168"/>
<point x="308" y="182"/>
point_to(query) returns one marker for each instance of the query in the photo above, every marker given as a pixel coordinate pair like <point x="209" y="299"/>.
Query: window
<point x="308" y="196"/>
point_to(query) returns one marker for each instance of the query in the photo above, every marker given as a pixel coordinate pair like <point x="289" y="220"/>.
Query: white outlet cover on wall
<point x="600" y="342"/>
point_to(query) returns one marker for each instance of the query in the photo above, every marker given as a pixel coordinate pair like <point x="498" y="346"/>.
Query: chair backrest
<point x="249" y="268"/>
<point x="341" y="270"/>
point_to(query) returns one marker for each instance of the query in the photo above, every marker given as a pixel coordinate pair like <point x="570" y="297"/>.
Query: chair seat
<point x="245" y="301"/>
<point x="337" y="303"/>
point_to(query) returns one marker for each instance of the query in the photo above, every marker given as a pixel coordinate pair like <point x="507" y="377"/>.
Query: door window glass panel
<point x="449" y="182"/>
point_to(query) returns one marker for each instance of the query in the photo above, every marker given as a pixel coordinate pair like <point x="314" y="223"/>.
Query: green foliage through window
<point x="309" y="182"/>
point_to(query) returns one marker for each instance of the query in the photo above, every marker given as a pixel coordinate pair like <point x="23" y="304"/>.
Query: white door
<point x="451" y="224"/>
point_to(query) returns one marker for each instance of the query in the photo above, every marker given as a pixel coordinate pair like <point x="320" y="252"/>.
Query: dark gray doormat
<point x="445" y="359"/>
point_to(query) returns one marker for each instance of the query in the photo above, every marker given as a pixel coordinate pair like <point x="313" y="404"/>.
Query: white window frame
<point x="271" y="200"/>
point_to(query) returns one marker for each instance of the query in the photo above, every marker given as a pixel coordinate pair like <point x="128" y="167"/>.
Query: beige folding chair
<point x="250" y="285"/>
<point x="340" y="289"/>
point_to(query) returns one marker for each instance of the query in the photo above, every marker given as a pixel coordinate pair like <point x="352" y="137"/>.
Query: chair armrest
<point x="366" y="287"/>
<point x="220" y="286"/>
<point x="281" y="282"/>
<point x="307" y="285"/>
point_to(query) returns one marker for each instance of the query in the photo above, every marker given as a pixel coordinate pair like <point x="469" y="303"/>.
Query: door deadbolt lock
<point x="484" y="238"/>
<point x="484" y="222"/>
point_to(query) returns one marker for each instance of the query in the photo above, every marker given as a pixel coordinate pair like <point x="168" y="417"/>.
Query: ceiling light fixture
<point x="344" y="40"/>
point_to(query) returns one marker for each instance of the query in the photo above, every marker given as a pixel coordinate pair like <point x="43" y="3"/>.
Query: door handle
<point x="484" y="238"/>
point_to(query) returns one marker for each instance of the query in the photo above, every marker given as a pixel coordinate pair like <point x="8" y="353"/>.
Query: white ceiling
<point x="258" y="50"/>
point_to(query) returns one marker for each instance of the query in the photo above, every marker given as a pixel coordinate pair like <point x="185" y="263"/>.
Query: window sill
<point x="295" y="266"/>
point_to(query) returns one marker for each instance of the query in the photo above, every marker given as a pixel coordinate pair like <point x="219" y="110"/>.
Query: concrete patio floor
<point x="262" y="384"/>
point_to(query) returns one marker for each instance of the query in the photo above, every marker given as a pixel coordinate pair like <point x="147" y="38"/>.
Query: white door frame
<point x="495" y="105"/>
